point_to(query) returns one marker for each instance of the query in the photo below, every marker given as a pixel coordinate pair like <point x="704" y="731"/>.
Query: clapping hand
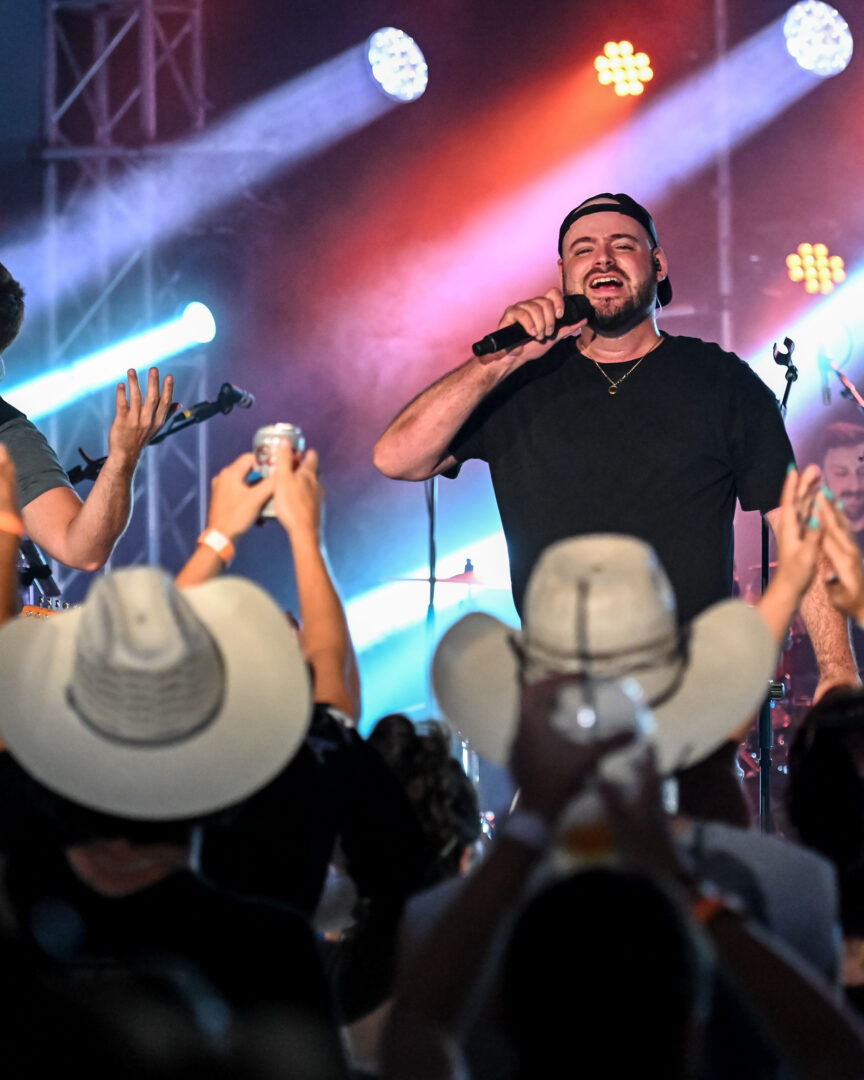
<point x="845" y="583"/>
<point x="549" y="767"/>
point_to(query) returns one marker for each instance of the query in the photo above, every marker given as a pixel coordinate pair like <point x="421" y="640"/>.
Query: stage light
<point x="622" y="68"/>
<point x="262" y="139"/>
<point x="199" y="322"/>
<point x="812" y="265"/>
<point x="397" y="64"/>
<point x="55" y="390"/>
<point x="818" y="38"/>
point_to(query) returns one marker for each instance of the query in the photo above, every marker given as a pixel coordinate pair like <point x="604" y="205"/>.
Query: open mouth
<point x="605" y="284"/>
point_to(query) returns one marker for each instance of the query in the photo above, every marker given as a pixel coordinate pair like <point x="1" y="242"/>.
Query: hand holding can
<point x="265" y="447"/>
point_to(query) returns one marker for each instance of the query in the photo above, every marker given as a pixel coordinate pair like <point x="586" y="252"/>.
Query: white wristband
<point x="219" y="543"/>
<point x="529" y="828"/>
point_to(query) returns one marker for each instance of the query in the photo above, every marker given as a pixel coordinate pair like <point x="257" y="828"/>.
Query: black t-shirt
<point x="663" y="459"/>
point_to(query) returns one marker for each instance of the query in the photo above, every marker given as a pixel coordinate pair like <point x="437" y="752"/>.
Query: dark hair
<point x="825" y="793"/>
<point x="603" y="952"/>
<point x="840" y="433"/>
<point x="436" y="786"/>
<point x="11" y="308"/>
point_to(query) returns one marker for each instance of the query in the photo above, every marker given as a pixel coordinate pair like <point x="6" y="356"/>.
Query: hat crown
<point x="146" y="669"/>
<point x="597" y="602"/>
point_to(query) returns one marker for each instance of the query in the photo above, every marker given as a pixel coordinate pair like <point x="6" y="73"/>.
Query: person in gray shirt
<point x="78" y="534"/>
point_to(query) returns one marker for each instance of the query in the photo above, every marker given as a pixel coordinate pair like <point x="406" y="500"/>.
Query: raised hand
<point x="549" y="767"/>
<point x="136" y="421"/>
<point x="235" y="505"/>
<point x="797" y="529"/>
<point x="298" y="497"/>
<point x="845" y="582"/>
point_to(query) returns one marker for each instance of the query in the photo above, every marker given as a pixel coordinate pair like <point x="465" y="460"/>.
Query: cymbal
<point x="468" y="579"/>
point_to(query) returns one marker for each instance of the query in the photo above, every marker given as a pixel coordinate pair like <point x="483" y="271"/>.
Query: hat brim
<point x="262" y="720"/>
<point x="732" y="657"/>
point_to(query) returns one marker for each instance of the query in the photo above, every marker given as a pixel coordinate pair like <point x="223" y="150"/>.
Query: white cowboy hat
<point x="601" y="606"/>
<point x="152" y="703"/>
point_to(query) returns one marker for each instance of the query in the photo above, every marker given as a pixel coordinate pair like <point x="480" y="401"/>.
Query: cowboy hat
<point x="152" y="703"/>
<point x="601" y="607"/>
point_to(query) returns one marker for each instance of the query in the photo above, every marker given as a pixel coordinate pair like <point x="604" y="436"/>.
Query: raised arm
<point x="298" y="499"/>
<point x="83" y="535"/>
<point x="234" y="508"/>
<point x="10" y="532"/>
<point x="792" y="1006"/>
<point x="827" y="626"/>
<point x="416" y="445"/>
<point x="435" y="992"/>
<point x="797" y="529"/>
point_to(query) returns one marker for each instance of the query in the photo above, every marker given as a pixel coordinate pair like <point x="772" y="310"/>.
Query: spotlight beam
<point x="45" y="394"/>
<point x="182" y="184"/>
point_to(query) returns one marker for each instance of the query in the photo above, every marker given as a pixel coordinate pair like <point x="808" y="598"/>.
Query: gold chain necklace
<point x="615" y="383"/>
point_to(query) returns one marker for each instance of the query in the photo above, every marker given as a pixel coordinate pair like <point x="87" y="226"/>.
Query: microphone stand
<point x="776" y="690"/>
<point x="225" y="401"/>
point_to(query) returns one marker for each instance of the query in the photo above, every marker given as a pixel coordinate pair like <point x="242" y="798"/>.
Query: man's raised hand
<point x="137" y="420"/>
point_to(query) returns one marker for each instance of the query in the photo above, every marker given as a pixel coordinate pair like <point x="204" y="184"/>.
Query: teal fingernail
<point x="790" y="468"/>
<point x="841" y="505"/>
<point x="814" y="522"/>
<point x="827" y="492"/>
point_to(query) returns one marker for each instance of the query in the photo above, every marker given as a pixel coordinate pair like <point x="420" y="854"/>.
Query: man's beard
<point x="631" y="312"/>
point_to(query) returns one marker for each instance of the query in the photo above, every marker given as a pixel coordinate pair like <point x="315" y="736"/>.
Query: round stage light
<point x="199" y="322"/>
<point x="812" y="265"/>
<point x="621" y="67"/>
<point x="397" y="64"/>
<point x="818" y="38"/>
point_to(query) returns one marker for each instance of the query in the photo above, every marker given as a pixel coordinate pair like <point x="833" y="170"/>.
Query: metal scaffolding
<point x="122" y="79"/>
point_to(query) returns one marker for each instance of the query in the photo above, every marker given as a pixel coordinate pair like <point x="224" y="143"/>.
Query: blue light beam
<point x="45" y="394"/>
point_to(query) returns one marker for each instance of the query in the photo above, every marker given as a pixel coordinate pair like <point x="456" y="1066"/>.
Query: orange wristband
<point x="219" y="543"/>
<point x="711" y="902"/>
<point x="11" y="523"/>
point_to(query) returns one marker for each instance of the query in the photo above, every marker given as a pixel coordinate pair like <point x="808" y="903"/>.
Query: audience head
<point x="603" y="970"/>
<point x="11" y="308"/>
<point x="435" y="783"/>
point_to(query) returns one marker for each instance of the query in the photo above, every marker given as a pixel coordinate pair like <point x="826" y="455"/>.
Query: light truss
<point x="124" y="80"/>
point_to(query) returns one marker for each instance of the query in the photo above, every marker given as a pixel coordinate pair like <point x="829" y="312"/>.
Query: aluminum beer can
<point x="266" y="445"/>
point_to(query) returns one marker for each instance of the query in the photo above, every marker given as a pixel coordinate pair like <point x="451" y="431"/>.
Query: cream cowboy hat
<point x="601" y="606"/>
<point x="152" y="703"/>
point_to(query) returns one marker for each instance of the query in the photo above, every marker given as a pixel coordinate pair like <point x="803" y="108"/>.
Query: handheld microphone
<point x="576" y="308"/>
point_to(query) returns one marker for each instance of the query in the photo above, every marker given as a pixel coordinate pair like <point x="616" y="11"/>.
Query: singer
<point x="607" y="425"/>
<point x="78" y="534"/>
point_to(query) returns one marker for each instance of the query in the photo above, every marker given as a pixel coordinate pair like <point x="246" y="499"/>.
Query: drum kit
<point x="793" y="687"/>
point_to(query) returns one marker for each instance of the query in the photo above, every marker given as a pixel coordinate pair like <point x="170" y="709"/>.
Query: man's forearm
<point x="829" y="632"/>
<point x="416" y="444"/>
<point x="93" y="532"/>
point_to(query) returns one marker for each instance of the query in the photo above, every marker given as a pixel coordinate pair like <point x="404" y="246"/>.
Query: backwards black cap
<point x="622" y="204"/>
